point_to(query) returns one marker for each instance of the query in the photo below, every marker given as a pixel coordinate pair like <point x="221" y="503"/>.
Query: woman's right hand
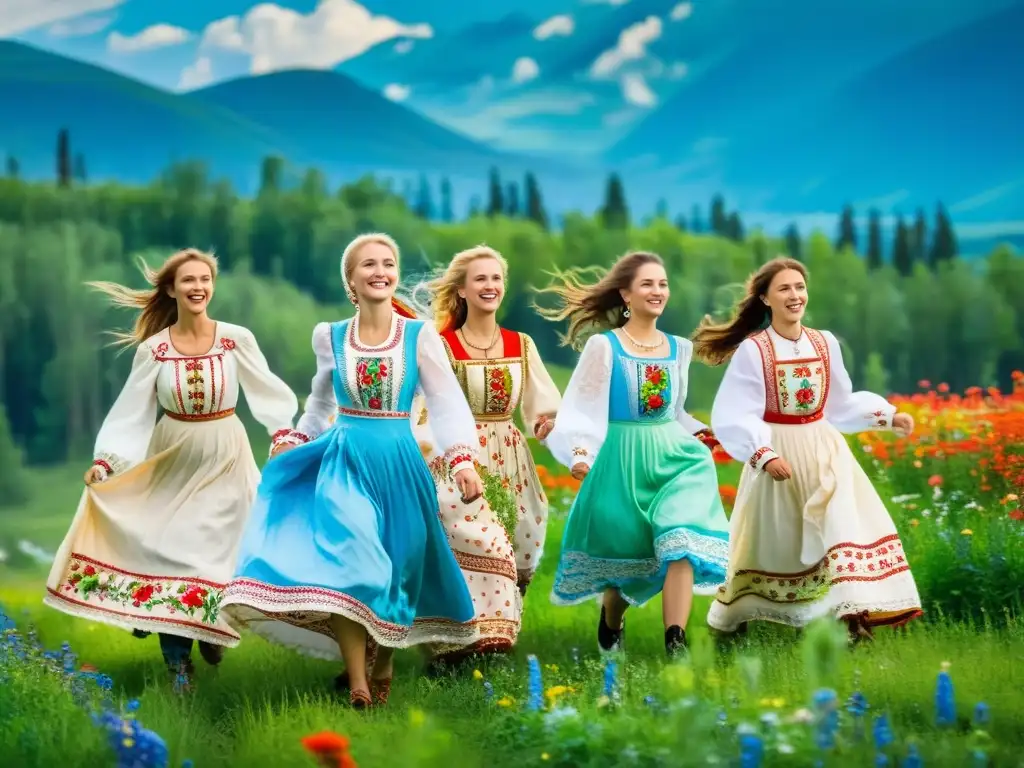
<point x="95" y="474"/>
<point x="580" y="470"/>
<point x="779" y="469"/>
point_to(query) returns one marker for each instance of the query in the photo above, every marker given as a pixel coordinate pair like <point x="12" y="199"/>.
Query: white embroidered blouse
<point x="582" y="421"/>
<point x="452" y="424"/>
<point x="190" y="388"/>
<point x="774" y="380"/>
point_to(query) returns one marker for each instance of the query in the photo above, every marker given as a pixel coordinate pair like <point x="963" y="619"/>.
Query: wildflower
<point x="915" y="522"/>
<point x="478" y="675"/>
<point x="913" y="758"/>
<point x="329" y="749"/>
<point x="966" y="532"/>
<point x="981" y="714"/>
<point x="935" y="481"/>
<point x="552" y="693"/>
<point x="417" y="718"/>
<point x="945" y="706"/>
<point x="882" y="732"/>
<point x="776" y="702"/>
<point x="751" y="750"/>
<point x="545" y="756"/>
<point x="488" y="690"/>
<point x="827" y="718"/>
<point x="505" y="701"/>
<point x="535" y="685"/>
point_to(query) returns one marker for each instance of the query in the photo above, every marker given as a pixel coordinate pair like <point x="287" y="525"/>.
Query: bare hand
<point x="580" y="470"/>
<point x="95" y="474"/>
<point x="903" y="424"/>
<point x="779" y="469"/>
<point x="282" y="448"/>
<point x="470" y="485"/>
<point x="543" y="428"/>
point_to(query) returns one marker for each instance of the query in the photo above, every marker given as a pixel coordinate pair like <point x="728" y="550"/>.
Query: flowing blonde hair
<point x="399" y="303"/>
<point x="449" y="310"/>
<point x="714" y="343"/>
<point x="597" y="306"/>
<point x="157" y="308"/>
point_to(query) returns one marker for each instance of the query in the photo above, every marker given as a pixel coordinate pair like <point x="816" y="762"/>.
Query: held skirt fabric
<point x="650" y="498"/>
<point x="819" y="543"/>
<point x="153" y="548"/>
<point x="348" y="525"/>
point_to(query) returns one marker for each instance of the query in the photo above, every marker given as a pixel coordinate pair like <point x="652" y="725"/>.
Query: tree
<point x="13" y="168"/>
<point x="63" y="158"/>
<point x="495" y="198"/>
<point x="680" y="222"/>
<point x="447" y="214"/>
<point x="874" y="239"/>
<point x="696" y="224"/>
<point x="902" y="258"/>
<point x="80" y="175"/>
<point x="847" y="230"/>
<point x="424" y="207"/>
<point x="794" y="247"/>
<point x="919" y="238"/>
<point x="614" y="214"/>
<point x="734" y="227"/>
<point x="534" y="203"/>
<point x="512" y="200"/>
<point x="474" y="206"/>
<point x="14" y="488"/>
<point x="944" y="245"/>
<point x="719" y="218"/>
<point x="661" y="209"/>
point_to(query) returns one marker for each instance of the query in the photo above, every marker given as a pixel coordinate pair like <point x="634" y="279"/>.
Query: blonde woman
<point x="499" y="372"/>
<point x="345" y="556"/>
<point x="648" y="517"/>
<point x="809" y="534"/>
<point x="154" y="539"/>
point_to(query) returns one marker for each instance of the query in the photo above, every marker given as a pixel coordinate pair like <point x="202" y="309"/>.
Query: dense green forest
<point x="922" y="313"/>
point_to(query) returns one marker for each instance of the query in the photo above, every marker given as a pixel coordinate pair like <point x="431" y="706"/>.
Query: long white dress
<point x="153" y="546"/>
<point x="821" y="542"/>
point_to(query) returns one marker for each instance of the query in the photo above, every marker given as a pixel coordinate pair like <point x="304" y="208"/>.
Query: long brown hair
<point x="157" y="308"/>
<point x="714" y="343"/>
<point x="597" y="306"/>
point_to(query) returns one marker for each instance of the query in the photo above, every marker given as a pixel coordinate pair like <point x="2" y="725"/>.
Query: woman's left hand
<point x="470" y="485"/>
<point x="543" y="428"/>
<point x="903" y="424"/>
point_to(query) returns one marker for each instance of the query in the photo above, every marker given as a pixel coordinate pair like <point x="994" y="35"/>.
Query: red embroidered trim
<point x="200" y="416"/>
<point x="758" y="454"/>
<point x="105" y="465"/>
<point x="354" y="342"/>
<point x="227" y="344"/>
<point x="459" y="458"/>
<point x="279" y="434"/>
<point x="785" y="418"/>
<point x="374" y="414"/>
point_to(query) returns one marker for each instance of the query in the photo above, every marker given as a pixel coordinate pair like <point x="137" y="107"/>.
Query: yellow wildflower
<point x="966" y="532"/>
<point x="417" y="718"/>
<point x="774" y="702"/>
<point x="915" y="522"/>
<point x="551" y="667"/>
<point x="478" y="675"/>
<point x="506" y="701"/>
<point x="544" y="756"/>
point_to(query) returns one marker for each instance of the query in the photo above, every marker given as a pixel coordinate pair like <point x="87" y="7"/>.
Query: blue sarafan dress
<point x="651" y="496"/>
<point x="347" y="523"/>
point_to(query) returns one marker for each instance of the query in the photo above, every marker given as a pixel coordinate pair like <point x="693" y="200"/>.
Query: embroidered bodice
<point x="191" y="388"/>
<point x="380" y="379"/>
<point x="774" y="380"/>
<point x="643" y="389"/>
<point x="610" y="385"/>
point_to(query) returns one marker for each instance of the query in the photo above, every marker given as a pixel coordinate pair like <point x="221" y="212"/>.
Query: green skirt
<point x="650" y="498"/>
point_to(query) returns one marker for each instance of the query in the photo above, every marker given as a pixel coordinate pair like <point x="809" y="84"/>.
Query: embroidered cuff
<point x="707" y="437"/>
<point x="882" y="419"/>
<point x="110" y="463"/>
<point x="458" y="458"/>
<point x="288" y="437"/>
<point x="581" y="456"/>
<point x="761" y="457"/>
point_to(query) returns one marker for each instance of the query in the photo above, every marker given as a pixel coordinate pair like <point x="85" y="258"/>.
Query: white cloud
<point x="631" y="46"/>
<point x="525" y="69"/>
<point x="80" y="27"/>
<point x="561" y="25"/>
<point x="982" y="199"/>
<point x="681" y="11"/>
<point x="678" y="70"/>
<point x="23" y="15"/>
<point x="494" y="121"/>
<point x="403" y="46"/>
<point x="605" y="2"/>
<point x="156" y="36"/>
<point x="397" y="92"/>
<point x="196" y="75"/>
<point x="278" y="38"/>
<point x="636" y="91"/>
<point x="620" y="118"/>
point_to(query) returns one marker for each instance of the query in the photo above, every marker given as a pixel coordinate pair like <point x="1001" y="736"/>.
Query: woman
<point x="158" y="526"/>
<point x="499" y="371"/>
<point x="345" y="549"/>
<point x="809" y="534"/>
<point x="648" y="517"/>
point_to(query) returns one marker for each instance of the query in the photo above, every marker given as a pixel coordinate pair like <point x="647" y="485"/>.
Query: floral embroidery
<point x="106" y="467"/>
<point x="805" y="391"/>
<point x="652" y="390"/>
<point x="498" y="392"/>
<point x="580" y="452"/>
<point x="373" y="379"/>
<point x="194" y="379"/>
<point x="111" y="462"/>
<point x="758" y="455"/>
<point x="167" y="596"/>
<point x="227" y="344"/>
<point x="161" y="350"/>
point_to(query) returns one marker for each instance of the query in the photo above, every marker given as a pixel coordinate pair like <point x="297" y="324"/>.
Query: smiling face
<point x="648" y="293"/>
<point x="373" y="273"/>
<point x="193" y="287"/>
<point x="485" y="285"/>
<point x="787" y="296"/>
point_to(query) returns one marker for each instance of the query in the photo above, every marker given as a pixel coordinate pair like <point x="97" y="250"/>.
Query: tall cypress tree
<point x="847" y="230"/>
<point x="874" y="239"/>
<point x="447" y="214"/>
<point x="944" y="245"/>
<point x="495" y="198"/>
<point x="63" y="158"/>
<point x="534" y="202"/>
<point x="794" y="246"/>
<point x="512" y="200"/>
<point x="902" y="257"/>
<point x="719" y="218"/>
<point x="614" y="214"/>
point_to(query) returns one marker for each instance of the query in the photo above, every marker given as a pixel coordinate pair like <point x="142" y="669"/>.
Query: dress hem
<point x="752" y="607"/>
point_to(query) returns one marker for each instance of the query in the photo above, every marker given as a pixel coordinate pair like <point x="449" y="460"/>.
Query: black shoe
<point x="608" y="639"/>
<point x="212" y="654"/>
<point x="141" y="634"/>
<point x="675" y="641"/>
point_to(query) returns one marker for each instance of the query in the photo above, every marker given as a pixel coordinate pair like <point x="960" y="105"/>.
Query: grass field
<point x="755" y="699"/>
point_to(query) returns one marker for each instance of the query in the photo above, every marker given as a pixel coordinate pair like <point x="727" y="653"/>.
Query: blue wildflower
<point x="981" y="715"/>
<point x="913" y="758"/>
<point x="609" y="678"/>
<point x="535" y="685"/>
<point x="826" y="718"/>
<point x="882" y="732"/>
<point x="945" y="706"/>
<point x="751" y="750"/>
<point x="488" y="690"/>
<point x="857" y="706"/>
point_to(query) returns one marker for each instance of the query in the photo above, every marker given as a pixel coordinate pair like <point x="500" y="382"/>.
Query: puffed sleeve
<point x="451" y="421"/>
<point x="540" y="395"/>
<point x="737" y="416"/>
<point x="271" y="401"/>
<point x="582" y="421"/>
<point x="850" y="411"/>
<point x="123" y="439"/>
<point x="321" y="404"/>
<point x="684" y="356"/>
